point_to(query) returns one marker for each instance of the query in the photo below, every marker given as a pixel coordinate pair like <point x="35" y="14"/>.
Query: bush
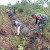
<point x="20" y="9"/>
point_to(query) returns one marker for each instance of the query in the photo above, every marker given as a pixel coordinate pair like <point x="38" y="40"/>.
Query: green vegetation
<point x="24" y="10"/>
<point x="18" y="42"/>
<point x="3" y="49"/>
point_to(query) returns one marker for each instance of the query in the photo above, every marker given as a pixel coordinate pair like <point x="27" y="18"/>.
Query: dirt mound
<point x="8" y="46"/>
<point x="4" y="31"/>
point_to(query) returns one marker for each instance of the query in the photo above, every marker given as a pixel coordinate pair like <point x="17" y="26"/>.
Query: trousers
<point x="18" y="30"/>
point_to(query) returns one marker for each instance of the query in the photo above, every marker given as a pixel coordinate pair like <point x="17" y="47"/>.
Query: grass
<point x="18" y="42"/>
<point x="20" y="47"/>
<point x="47" y="34"/>
<point x="3" y="48"/>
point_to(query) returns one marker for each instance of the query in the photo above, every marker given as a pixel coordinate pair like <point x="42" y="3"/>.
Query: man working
<point x="9" y="14"/>
<point x="17" y="26"/>
<point x="42" y="21"/>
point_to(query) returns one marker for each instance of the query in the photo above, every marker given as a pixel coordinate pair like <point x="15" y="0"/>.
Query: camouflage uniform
<point x="42" y="22"/>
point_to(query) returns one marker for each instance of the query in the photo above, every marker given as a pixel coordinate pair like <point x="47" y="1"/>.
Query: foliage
<point x="20" y="47"/>
<point x="3" y="49"/>
<point x="18" y="42"/>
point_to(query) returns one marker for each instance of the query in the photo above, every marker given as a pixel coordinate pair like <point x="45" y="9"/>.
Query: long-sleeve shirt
<point x="43" y="20"/>
<point x="17" y="24"/>
<point x="10" y="13"/>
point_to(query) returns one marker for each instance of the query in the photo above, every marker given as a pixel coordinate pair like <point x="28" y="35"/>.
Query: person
<point x="10" y="14"/>
<point x="6" y="10"/>
<point x="42" y="21"/>
<point x="14" y="11"/>
<point x="17" y="26"/>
